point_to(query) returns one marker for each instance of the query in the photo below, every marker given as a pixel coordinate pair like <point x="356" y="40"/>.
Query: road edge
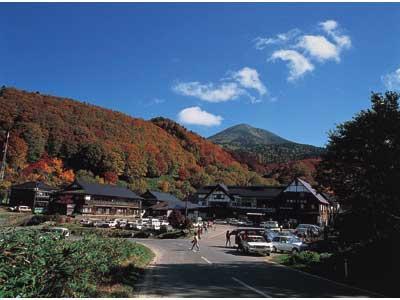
<point x="144" y="283"/>
<point x="372" y="293"/>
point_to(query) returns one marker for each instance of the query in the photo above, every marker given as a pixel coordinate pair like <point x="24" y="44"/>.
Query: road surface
<point x="216" y="271"/>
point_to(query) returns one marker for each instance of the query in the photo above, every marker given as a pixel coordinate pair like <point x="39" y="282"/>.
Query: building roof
<point x="242" y="191"/>
<point x="30" y="185"/>
<point x="101" y="190"/>
<point x="160" y="196"/>
<point x="313" y="191"/>
<point x="173" y="205"/>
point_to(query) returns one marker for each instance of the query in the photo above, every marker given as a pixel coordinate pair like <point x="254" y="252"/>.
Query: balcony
<point x="112" y="203"/>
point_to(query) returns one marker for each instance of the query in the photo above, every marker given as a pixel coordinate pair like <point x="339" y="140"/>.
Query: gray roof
<point x="30" y="185"/>
<point x="160" y="196"/>
<point x="312" y="191"/>
<point x="243" y="191"/>
<point x="178" y="204"/>
<point x="102" y="190"/>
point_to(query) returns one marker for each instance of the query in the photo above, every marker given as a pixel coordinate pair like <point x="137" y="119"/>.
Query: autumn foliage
<point x="53" y="138"/>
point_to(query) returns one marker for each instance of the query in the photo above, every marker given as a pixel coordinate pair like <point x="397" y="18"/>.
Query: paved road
<point x="216" y="271"/>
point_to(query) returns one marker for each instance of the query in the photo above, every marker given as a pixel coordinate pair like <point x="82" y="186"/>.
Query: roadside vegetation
<point x="34" y="264"/>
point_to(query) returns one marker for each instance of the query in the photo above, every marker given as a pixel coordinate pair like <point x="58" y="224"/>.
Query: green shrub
<point x="33" y="264"/>
<point x="304" y="257"/>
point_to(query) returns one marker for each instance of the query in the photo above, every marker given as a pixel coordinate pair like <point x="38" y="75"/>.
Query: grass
<point x="121" y="282"/>
<point x="11" y="219"/>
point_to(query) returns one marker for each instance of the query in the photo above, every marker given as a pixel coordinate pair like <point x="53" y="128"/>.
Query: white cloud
<point x="331" y="28"/>
<point x="195" y="116"/>
<point x="249" y="78"/>
<point x="238" y="83"/>
<point x="297" y="63"/>
<point x="319" y="47"/>
<point x="208" y="92"/>
<point x="392" y="80"/>
<point x="329" y="25"/>
<point x="261" y="43"/>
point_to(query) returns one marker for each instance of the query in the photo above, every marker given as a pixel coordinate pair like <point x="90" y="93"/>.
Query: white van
<point x="23" y="208"/>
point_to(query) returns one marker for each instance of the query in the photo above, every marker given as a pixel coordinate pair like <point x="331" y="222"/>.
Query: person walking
<point x="195" y="243"/>
<point x="199" y="232"/>
<point x="228" y="239"/>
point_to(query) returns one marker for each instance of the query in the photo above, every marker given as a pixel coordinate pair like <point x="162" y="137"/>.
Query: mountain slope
<point x="244" y="135"/>
<point x="108" y="146"/>
<point x="258" y="147"/>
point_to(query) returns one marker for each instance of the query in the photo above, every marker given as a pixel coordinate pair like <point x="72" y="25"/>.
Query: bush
<point x="33" y="264"/>
<point x="306" y="258"/>
<point x="172" y="235"/>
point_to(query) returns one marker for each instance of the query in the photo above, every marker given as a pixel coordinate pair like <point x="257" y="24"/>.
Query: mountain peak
<point x="246" y="135"/>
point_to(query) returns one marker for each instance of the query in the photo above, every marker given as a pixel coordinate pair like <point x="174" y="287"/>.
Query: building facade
<point x="221" y="201"/>
<point x="34" y="194"/>
<point x="300" y="203"/>
<point x="296" y="203"/>
<point x="93" y="199"/>
<point x="162" y="204"/>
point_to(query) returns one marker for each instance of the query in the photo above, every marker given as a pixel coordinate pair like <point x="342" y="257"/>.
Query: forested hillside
<point x="55" y="139"/>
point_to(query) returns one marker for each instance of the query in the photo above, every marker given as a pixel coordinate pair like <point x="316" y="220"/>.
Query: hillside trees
<point x="108" y="146"/>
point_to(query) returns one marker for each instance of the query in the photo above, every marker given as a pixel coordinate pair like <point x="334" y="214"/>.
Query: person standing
<point x="228" y="239"/>
<point x="195" y="243"/>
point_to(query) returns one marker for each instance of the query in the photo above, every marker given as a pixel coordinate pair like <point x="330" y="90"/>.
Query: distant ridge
<point x="254" y="145"/>
<point x="246" y="135"/>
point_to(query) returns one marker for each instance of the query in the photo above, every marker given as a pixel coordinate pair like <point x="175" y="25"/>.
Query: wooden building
<point x="300" y="203"/>
<point x="162" y="204"/>
<point x="34" y="194"/>
<point x="93" y="199"/>
<point x="221" y="201"/>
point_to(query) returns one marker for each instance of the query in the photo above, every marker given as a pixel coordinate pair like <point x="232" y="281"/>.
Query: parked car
<point x="86" y="223"/>
<point x="13" y="208"/>
<point x="272" y="225"/>
<point x="246" y="230"/>
<point x="241" y="223"/>
<point x="270" y="234"/>
<point x="233" y="222"/>
<point x="220" y="221"/>
<point x="256" y="244"/>
<point x="249" y="223"/>
<point x="287" y="244"/>
<point x="63" y="231"/>
<point x="164" y="223"/>
<point x="23" y="208"/>
<point x="154" y="224"/>
<point x="303" y="229"/>
<point x="100" y="223"/>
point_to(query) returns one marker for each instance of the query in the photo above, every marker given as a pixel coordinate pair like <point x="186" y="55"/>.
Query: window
<point x="86" y="210"/>
<point x="302" y="206"/>
<point x="312" y="206"/>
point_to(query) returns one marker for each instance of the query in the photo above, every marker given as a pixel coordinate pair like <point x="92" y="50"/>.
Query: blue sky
<point x="293" y="69"/>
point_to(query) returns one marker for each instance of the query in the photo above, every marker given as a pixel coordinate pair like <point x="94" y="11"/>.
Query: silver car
<point x="287" y="244"/>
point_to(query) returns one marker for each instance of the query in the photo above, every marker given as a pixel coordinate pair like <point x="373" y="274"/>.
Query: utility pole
<point x="3" y="162"/>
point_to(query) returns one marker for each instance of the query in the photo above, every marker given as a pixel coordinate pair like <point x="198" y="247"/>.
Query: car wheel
<point x="294" y="251"/>
<point x="274" y="250"/>
<point x="268" y="254"/>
